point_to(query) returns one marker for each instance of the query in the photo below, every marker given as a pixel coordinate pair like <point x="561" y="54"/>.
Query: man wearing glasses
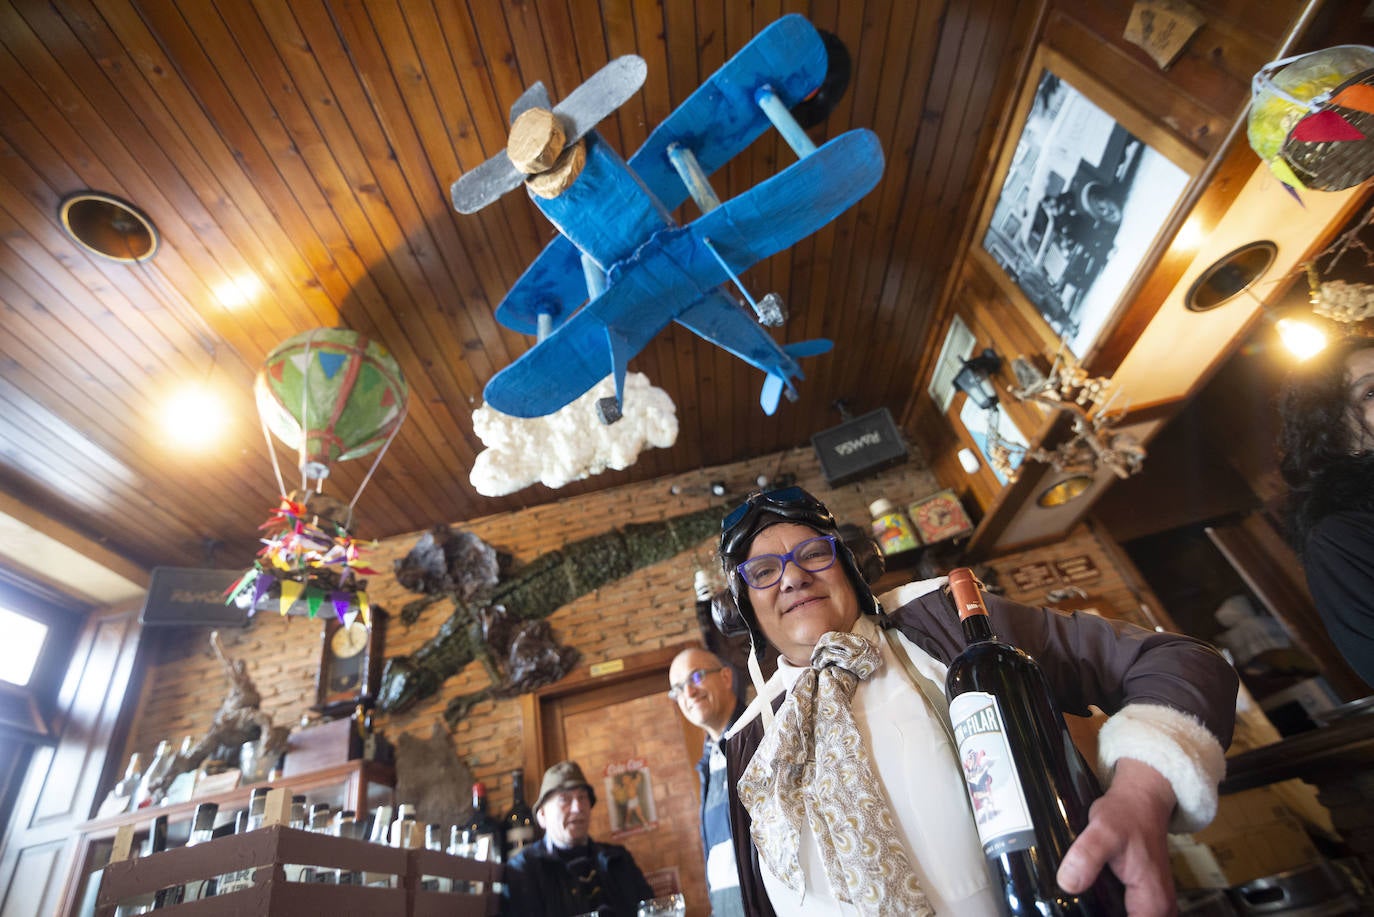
<point x="855" y="803"/>
<point x="704" y="688"/>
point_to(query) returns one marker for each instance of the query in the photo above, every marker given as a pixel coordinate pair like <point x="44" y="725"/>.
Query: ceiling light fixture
<point x="1230" y="275"/>
<point x="108" y="226"/>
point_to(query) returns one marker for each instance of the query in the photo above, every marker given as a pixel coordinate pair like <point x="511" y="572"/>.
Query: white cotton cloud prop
<point x="572" y="443"/>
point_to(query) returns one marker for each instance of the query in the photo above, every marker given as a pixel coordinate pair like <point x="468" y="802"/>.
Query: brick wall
<point x="650" y="609"/>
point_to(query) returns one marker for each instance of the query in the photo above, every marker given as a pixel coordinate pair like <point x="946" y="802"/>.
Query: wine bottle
<point x="483" y="830"/>
<point x="1029" y="788"/>
<point x="518" y="822"/>
<point x="202" y="830"/>
<point x="157" y="768"/>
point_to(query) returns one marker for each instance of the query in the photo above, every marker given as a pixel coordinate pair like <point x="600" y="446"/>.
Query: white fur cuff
<point x="1178" y="746"/>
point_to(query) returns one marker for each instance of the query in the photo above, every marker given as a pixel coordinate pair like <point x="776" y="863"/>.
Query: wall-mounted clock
<point x="350" y="663"/>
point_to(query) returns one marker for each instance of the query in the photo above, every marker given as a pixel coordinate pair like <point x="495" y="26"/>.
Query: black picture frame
<point x="1084" y="188"/>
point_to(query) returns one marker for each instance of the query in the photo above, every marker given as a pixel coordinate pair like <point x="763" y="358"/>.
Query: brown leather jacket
<point x="1088" y="661"/>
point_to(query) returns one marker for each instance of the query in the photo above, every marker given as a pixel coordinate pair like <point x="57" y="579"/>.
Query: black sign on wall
<point x="187" y="596"/>
<point x="859" y="447"/>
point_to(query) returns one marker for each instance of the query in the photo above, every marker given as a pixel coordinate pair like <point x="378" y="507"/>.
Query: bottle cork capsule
<point x="967" y="596"/>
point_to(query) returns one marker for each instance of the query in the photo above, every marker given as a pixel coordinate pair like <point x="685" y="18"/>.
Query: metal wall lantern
<point x="974" y="379"/>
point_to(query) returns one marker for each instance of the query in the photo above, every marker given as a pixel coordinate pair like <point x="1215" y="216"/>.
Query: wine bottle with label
<point x="518" y="822"/>
<point x="1029" y="788"/>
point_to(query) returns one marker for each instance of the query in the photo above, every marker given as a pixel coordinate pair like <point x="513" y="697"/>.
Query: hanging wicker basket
<point x="1312" y="117"/>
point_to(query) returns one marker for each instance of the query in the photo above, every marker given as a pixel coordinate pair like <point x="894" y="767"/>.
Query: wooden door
<point x="640" y="755"/>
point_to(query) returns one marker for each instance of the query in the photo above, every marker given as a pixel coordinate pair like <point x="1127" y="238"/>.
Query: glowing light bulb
<point x="1302" y="338"/>
<point x="193" y="418"/>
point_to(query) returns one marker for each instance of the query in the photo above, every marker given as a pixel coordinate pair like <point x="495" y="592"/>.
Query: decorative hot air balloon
<point x="333" y="394"/>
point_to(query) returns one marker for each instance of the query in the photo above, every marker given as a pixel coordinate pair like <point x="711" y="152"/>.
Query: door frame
<point x="538" y="708"/>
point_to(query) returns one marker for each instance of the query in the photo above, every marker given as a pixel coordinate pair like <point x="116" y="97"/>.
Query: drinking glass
<point x="666" y="906"/>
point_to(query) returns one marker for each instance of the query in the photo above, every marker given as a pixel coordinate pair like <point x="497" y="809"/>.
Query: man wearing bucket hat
<point x="880" y="824"/>
<point x="568" y="873"/>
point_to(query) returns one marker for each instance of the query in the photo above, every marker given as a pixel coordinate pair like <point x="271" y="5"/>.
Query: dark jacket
<point x="1339" y="562"/>
<point x="1335" y="519"/>
<point x="538" y="883"/>
<point x="1088" y="661"/>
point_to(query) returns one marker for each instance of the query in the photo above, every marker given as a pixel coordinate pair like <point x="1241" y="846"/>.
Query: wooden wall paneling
<point x="315" y="107"/>
<point x="889" y="113"/>
<point x="59" y="789"/>
<point x="862" y="33"/>
<point x="113" y="474"/>
<point x="920" y="233"/>
<point x="183" y="130"/>
<point x="412" y="125"/>
<point x="1215" y="66"/>
<point x="382" y="280"/>
<point x="478" y="127"/>
<point x="374" y="152"/>
<point x="987" y="165"/>
<point x="972" y="75"/>
<point x="1139" y="97"/>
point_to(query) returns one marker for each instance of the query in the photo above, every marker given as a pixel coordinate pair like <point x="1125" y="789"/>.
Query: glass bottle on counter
<point x="346" y="824"/>
<point x="202" y="830"/>
<point x="157" y="842"/>
<point x="518" y="823"/>
<point x="484" y="832"/>
<point x="162" y="760"/>
<point x="128" y="785"/>
<point x="248" y="820"/>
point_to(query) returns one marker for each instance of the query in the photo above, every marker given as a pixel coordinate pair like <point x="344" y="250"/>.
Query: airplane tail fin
<point x="776" y="382"/>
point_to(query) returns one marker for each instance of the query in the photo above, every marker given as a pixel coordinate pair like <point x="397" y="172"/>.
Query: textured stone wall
<point x="650" y="609"/>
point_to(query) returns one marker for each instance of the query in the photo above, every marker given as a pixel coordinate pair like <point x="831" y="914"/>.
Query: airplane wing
<point x="791" y="205"/>
<point x="583" y="351"/>
<point x="722" y="321"/>
<point x="553" y="283"/>
<point x="720" y="118"/>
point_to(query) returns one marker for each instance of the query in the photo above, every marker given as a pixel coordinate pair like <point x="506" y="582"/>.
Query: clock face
<point x="348" y="642"/>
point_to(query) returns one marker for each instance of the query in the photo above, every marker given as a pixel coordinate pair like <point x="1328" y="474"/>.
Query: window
<point x="24" y="642"/>
<point x="958" y="346"/>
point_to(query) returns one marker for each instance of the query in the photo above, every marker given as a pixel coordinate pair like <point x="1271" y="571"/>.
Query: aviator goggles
<point x="791" y="503"/>
<point x="813" y="555"/>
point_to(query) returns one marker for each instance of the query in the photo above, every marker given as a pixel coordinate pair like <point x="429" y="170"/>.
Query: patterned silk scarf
<point x="814" y="766"/>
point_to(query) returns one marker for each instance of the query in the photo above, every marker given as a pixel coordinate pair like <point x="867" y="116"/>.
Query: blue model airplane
<point x="621" y="252"/>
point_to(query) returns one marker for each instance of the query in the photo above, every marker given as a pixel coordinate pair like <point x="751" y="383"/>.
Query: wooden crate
<point x="266" y="851"/>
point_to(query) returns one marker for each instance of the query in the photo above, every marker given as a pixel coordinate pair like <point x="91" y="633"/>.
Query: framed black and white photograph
<point x="1081" y="204"/>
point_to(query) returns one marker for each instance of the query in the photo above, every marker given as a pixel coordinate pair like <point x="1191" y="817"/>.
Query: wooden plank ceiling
<point x="296" y="159"/>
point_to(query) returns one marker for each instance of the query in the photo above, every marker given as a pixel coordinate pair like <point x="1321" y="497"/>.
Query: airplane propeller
<point x="542" y="141"/>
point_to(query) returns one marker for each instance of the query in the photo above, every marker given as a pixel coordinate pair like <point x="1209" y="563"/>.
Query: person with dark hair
<point x="843" y="772"/>
<point x="1327" y="445"/>
<point x="567" y="873"/>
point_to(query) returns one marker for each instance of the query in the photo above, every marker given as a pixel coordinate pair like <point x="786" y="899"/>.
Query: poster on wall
<point x="1080" y="207"/>
<point x="629" y="787"/>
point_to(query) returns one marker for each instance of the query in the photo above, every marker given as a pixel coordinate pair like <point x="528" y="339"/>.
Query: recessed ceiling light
<point x="1230" y="275"/>
<point x="108" y="226"/>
